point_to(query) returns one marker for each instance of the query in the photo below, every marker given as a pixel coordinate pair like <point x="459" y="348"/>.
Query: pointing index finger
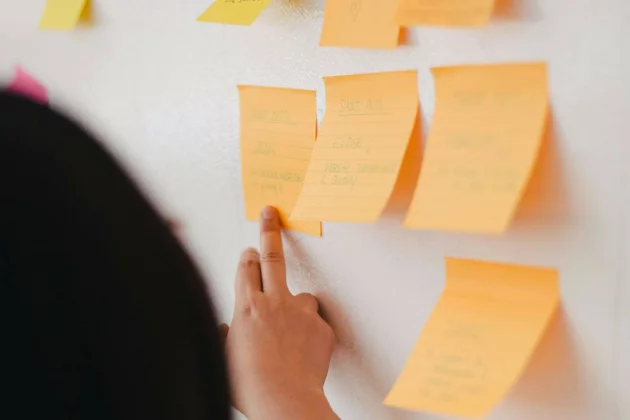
<point x="273" y="267"/>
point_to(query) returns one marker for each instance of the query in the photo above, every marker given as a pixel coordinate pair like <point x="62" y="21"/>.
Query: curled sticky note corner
<point x="26" y="85"/>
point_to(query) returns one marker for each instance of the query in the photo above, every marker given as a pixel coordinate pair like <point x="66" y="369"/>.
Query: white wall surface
<point x="160" y="90"/>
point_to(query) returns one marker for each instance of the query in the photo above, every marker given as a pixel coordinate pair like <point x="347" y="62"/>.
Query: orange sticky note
<point x="360" y="147"/>
<point x="360" y="24"/>
<point x="478" y="339"/>
<point x="234" y="12"/>
<point x="65" y="14"/>
<point x="278" y="128"/>
<point x="444" y="12"/>
<point x="484" y="141"/>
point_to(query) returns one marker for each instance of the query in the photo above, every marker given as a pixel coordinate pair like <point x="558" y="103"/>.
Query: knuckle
<point x="249" y="258"/>
<point x="251" y="305"/>
<point x="308" y="299"/>
<point x="327" y="332"/>
<point x="312" y="299"/>
<point x="246" y="308"/>
<point x="306" y="296"/>
<point x="275" y="304"/>
<point x="272" y="257"/>
<point x="249" y="253"/>
<point x="256" y="302"/>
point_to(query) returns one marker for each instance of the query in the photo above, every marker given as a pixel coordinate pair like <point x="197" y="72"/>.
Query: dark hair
<point x="102" y="313"/>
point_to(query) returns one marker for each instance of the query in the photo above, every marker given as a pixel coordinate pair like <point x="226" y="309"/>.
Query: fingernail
<point x="269" y="213"/>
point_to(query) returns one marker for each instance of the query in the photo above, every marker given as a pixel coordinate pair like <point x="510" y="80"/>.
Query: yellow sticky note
<point x="478" y="339"/>
<point x="484" y="141"/>
<point x="360" y="147"/>
<point x="65" y="14"/>
<point x="278" y="129"/>
<point x="360" y="24"/>
<point x="444" y="12"/>
<point x="234" y="12"/>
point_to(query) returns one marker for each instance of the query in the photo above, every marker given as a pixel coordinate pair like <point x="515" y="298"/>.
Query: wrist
<point x="295" y="403"/>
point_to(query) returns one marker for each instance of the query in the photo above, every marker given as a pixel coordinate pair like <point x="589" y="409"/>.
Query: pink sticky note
<point x="26" y="85"/>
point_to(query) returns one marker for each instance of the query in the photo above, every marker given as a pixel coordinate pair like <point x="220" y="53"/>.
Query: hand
<point x="278" y="347"/>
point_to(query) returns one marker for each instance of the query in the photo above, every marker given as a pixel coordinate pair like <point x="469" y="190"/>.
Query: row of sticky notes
<point x="365" y="23"/>
<point x="478" y="339"/>
<point x="380" y="23"/>
<point x="486" y="134"/>
<point x="353" y="23"/>
<point x="66" y="14"/>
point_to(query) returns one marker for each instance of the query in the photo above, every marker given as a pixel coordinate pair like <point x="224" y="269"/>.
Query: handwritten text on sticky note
<point x="360" y="24"/>
<point x="360" y="147"/>
<point x="278" y="128"/>
<point x="65" y="14"/>
<point x="234" y="12"/>
<point x="484" y="141"/>
<point x="478" y="339"/>
<point x="444" y="12"/>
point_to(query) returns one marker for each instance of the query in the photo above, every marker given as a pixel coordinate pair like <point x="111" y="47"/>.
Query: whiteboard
<point x="160" y="90"/>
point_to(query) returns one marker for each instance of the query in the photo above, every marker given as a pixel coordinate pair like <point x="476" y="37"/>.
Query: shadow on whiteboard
<point x="355" y="375"/>
<point x="517" y="10"/>
<point x="545" y="202"/>
<point x="357" y="381"/>
<point x="552" y="386"/>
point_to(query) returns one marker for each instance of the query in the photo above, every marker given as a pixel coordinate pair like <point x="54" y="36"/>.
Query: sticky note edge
<point x="82" y="15"/>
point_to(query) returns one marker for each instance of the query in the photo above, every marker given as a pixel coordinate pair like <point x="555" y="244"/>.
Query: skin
<point x="278" y="347"/>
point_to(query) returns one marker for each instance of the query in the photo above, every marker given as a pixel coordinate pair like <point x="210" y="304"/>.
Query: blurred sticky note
<point x="444" y="12"/>
<point x="234" y="12"/>
<point x="478" y="339"/>
<point x="64" y="14"/>
<point x="483" y="144"/>
<point x="360" y="147"/>
<point x="278" y="129"/>
<point x="360" y="24"/>
<point x="26" y="85"/>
